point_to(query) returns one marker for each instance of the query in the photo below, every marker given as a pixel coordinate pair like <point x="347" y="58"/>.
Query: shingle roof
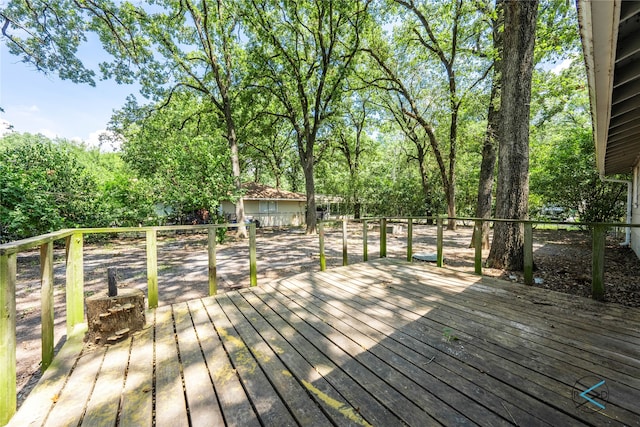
<point x="255" y="191"/>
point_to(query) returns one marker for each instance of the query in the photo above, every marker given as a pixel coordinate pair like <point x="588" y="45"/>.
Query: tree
<point x="441" y="52"/>
<point x="166" y="46"/>
<point x="43" y="188"/>
<point x="302" y="54"/>
<point x="512" y="191"/>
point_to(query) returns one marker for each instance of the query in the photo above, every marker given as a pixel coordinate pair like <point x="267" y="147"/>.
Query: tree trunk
<point x="306" y="160"/>
<point x="489" y="152"/>
<point x="235" y="169"/>
<point x="507" y="249"/>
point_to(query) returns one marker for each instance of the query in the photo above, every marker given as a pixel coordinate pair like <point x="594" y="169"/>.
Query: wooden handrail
<point x="599" y="232"/>
<point x="74" y="273"/>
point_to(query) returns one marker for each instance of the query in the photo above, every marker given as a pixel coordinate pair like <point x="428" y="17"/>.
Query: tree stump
<point x="111" y="319"/>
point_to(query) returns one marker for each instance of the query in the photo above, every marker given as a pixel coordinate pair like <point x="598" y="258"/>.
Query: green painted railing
<point x="599" y="231"/>
<point x="74" y="241"/>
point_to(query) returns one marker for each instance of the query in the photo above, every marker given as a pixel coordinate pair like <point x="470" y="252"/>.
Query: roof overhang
<point x="610" y="33"/>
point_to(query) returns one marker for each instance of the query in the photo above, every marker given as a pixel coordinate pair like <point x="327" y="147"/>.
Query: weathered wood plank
<point x="324" y="376"/>
<point x="431" y="378"/>
<point x="236" y="408"/>
<point x="137" y="396"/>
<point x="270" y="408"/>
<point x="46" y="303"/>
<point x="170" y="407"/>
<point x="366" y="369"/>
<point x="102" y="409"/>
<point x="8" y="399"/>
<point x="201" y="397"/>
<point x="75" y="283"/>
<point x="71" y="402"/>
<point x="542" y="364"/>
<point x="324" y="395"/>
<point x="37" y="406"/>
<point x="152" y="267"/>
<point x="305" y="410"/>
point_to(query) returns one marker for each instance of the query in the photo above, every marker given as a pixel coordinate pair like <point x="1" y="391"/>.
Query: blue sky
<point x="37" y="103"/>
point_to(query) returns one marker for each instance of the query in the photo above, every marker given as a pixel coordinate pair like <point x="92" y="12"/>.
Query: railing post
<point x="323" y="261"/>
<point x="439" y="242"/>
<point x="365" y="243"/>
<point x="46" y="299"/>
<point x="345" y="254"/>
<point x="597" y="263"/>
<point x="383" y="237"/>
<point x="211" y="253"/>
<point x="253" y="267"/>
<point x="477" y="243"/>
<point x="409" y="239"/>
<point x="8" y="402"/>
<point x="75" y="283"/>
<point x="528" y="253"/>
<point x="152" y="267"/>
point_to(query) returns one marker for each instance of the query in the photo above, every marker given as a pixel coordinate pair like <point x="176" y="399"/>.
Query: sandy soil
<point x="562" y="259"/>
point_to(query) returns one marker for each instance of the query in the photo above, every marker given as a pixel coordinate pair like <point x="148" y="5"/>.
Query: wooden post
<point x="439" y="241"/>
<point x="383" y="237"/>
<point x="323" y="261"/>
<point x="46" y="300"/>
<point x="365" y="243"/>
<point x="528" y="253"/>
<point x="152" y="267"/>
<point x="75" y="283"/>
<point x="8" y="402"/>
<point x="597" y="263"/>
<point x="253" y="268"/>
<point x="211" y="252"/>
<point x="477" y="243"/>
<point x="345" y="255"/>
<point x="409" y="239"/>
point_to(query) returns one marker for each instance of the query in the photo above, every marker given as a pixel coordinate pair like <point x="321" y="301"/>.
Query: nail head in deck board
<point x="201" y="397"/>
<point x="171" y="408"/>
<point x="102" y="409"/>
<point x="318" y="388"/>
<point x="271" y="410"/>
<point x="137" y="405"/>
<point x="234" y="402"/>
<point x="290" y="391"/>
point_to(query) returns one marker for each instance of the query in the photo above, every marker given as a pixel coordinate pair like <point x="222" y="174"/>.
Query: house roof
<point x="610" y="33"/>
<point x="255" y="191"/>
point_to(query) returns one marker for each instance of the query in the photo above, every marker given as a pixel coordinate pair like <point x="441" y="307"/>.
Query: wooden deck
<point x="382" y="343"/>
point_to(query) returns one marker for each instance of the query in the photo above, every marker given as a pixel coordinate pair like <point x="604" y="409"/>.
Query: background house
<point x="610" y="33"/>
<point x="269" y="206"/>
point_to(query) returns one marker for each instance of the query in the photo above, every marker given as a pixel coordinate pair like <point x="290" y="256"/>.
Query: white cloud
<point x="48" y="133"/>
<point x="562" y="66"/>
<point x="5" y="127"/>
<point x="105" y="140"/>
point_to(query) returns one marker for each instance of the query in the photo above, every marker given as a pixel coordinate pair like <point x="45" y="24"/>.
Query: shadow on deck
<point x="379" y="343"/>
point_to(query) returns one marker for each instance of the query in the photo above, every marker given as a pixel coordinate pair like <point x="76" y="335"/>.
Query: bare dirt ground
<point x="562" y="259"/>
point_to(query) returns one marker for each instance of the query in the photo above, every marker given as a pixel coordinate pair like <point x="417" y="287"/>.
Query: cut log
<point x="111" y="319"/>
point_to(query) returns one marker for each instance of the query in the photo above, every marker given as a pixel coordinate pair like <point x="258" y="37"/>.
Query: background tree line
<point x="393" y="105"/>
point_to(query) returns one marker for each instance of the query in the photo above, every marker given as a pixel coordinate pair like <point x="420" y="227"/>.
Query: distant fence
<point x="74" y="242"/>
<point x="598" y="233"/>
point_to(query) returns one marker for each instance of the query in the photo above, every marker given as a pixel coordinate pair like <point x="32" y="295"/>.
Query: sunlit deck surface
<point x="382" y="343"/>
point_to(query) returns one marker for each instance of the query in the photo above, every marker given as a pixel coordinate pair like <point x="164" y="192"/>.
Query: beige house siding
<point x="270" y="206"/>
<point x="635" y="210"/>
<point x="278" y="213"/>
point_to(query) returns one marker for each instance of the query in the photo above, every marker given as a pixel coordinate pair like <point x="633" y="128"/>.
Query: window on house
<point x="268" y="207"/>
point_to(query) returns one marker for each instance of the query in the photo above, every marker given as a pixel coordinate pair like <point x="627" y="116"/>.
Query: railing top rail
<point x="32" y="242"/>
<point x="524" y="221"/>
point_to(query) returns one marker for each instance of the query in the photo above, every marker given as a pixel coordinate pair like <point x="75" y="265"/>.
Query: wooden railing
<point x="599" y="231"/>
<point x="75" y="290"/>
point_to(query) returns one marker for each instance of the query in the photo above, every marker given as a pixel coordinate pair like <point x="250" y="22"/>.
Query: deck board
<point x="378" y="343"/>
